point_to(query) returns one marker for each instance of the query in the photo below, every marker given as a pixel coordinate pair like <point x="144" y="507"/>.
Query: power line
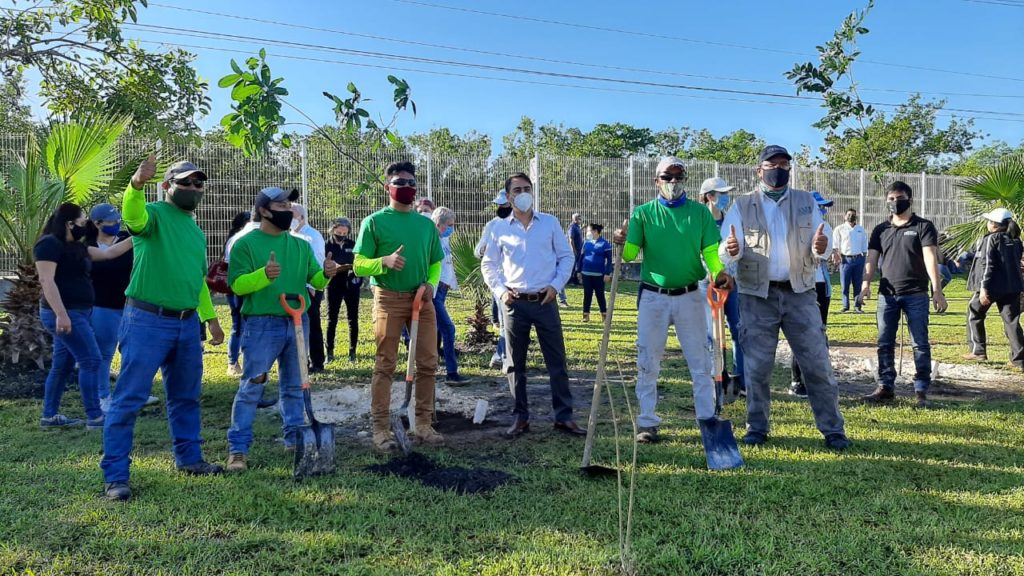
<point x="997" y="3"/>
<point x="549" y="60"/>
<point x="690" y="40"/>
<point x="205" y="34"/>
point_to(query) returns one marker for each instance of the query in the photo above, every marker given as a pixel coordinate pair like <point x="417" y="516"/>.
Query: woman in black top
<point x="996" y="279"/>
<point x="344" y="288"/>
<point x="64" y="266"/>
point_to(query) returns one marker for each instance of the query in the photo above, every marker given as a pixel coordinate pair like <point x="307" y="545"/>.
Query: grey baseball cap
<point x="274" y="194"/>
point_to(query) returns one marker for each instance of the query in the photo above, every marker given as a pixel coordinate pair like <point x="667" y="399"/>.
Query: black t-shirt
<point x="110" y="278"/>
<point x="73" y="269"/>
<point x="902" y="255"/>
<point x="343" y="253"/>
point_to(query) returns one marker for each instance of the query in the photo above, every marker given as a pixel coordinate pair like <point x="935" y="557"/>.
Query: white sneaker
<point x="105" y="404"/>
<point x="234" y="369"/>
<point x="495" y="360"/>
<point x="152" y="400"/>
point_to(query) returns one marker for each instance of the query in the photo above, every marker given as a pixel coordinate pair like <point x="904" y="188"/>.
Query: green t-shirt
<point x="170" y="259"/>
<point x="298" y="267"/>
<point x="384" y="231"/>
<point x="672" y="240"/>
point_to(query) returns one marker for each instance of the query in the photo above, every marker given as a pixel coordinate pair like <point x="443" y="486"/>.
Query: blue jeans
<point x="915" y="307"/>
<point x="947" y="275"/>
<point x="150" y="342"/>
<point x="266" y="339"/>
<point x="499" y="317"/>
<point x="235" y="338"/>
<point x="447" y="329"/>
<point x="77" y="346"/>
<point x="105" y="323"/>
<point x="851" y="274"/>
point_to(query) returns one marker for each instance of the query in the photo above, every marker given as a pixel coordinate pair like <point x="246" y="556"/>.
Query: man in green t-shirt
<point x="167" y="299"/>
<point x="674" y="233"/>
<point x="265" y="264"/>
<point x="401" y="251"/>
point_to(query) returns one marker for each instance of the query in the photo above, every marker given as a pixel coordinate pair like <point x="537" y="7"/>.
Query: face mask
<point x="591" y="236"/>
<point x="402" y="194"/>
<point x="899" y="206"/>
<point x="77" y="232"/>
<point x="723" y="202"/>
<point x="775" y="178"/>
<point x="294" y="225"/>
<point x="338" y="238"/>
<point x="186" y="199"/>
<point x="523" y="202"/>
<point x="280" y="218"/>
<point x="503" y="211"/>
<point x="111" y="229"/>
<point x="448" y="232"/>
<point x="671" y="190"/>
<point x="851" y="219"/>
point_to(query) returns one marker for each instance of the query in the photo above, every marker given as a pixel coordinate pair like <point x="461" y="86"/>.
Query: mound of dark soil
<point x="461" y="480"/>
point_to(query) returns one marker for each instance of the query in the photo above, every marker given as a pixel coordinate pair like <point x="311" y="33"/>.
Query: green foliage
<point x="15" y="114"/>
<point x="467" y="265"/>
<point x="999" y="186"/>
<point x="975" y="163"/>
<point x="739" y="147"/>
<point x="444" y="141"/>
<point x="86" y="66"/>
<point x="28" y="198"/>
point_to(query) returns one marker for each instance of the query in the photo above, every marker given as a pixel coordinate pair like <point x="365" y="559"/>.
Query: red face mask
<point x="402" y="194"/>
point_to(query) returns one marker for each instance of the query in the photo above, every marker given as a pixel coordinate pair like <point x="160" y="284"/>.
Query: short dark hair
<point x="900" y="186"/>
<point x="57" y="223"/>
<point x="851" y="210"/>
<point x="596" y="227"/>
<point x="396" y="167"/>
<point x="523" y="175"/>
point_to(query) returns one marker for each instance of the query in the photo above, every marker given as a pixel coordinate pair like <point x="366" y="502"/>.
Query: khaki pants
<point x="392" y="311"/>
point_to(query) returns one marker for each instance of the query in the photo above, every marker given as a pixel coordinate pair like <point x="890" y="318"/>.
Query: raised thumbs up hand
<point x="619" y="237"/>
<point x="732" y="243"/>
<point x="330" y="266"/>
<point x="272" y="269"/>
<point x="820" y="241"/>
<point x="145" y="172"/>
<point x="395" y="261"/>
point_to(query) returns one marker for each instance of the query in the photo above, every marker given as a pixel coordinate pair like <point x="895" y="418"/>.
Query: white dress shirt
<point x="850" y="240"/>
<point x="778" y="248"/>
<point x="315" y="240"/>
<point x="485" y="235"/>
<point x="249" y="227"/>
<point x="526" y="259"/>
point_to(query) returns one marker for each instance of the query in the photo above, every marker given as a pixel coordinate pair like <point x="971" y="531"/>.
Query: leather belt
<point x="780" y="284"/>
<point x="160" y="310"/>
<point x="535" y="297"/>
<point x="668" y="291"/>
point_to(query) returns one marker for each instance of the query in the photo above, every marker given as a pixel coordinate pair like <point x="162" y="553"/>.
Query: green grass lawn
<point x="933" y="491"/>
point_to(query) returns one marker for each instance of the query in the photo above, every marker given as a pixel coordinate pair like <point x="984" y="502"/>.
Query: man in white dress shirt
<point x="315" y="345"/>
<point x="851" y="244"/>
<point x="528" y="295"/>
<point x="775" y="235"/>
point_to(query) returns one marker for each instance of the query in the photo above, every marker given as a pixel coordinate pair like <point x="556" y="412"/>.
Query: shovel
<point x="410" y="372"/>
<point x="716" y="433"/>
<point x="586" y="468"/>
<point x="314" y="442"/>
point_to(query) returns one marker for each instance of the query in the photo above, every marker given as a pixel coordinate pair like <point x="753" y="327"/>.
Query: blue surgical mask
<point x="111" y="229"/>
<point x="723" y="202"/>
<point x="824" y="212"/>
<point x="448" y="232"/>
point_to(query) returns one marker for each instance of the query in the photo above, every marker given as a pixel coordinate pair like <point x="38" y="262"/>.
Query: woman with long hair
<point x="345" y="288"/>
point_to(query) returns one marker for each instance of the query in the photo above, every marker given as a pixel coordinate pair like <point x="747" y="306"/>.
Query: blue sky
<point x="968" y="36"/>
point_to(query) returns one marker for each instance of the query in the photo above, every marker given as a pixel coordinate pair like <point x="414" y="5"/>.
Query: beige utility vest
<point x="752" y="269"/>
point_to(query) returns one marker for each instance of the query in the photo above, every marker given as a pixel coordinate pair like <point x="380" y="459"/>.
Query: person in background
<point x="238" y="223"/>
<point x="300" y="227"/>
<point x="345" y="288"/>
<point x="594" y="269"/>
<point x="823" y="292"/>
<point x="64" y="263"/>
<point x="503" y="211"/>
<point x="575" y="236"/>
<point x="444" y="219"/>
<point x="425" y="206"/>
<point x="850" y="243"/>
<point x="996" y="279"/>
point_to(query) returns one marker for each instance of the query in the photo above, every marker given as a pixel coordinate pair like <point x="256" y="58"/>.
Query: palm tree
<point x="471" y="281"/>
<point x="77" y="162"/>
<point x="999" y="186"/>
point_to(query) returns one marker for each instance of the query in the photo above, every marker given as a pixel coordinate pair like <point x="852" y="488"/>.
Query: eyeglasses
<point x="193" y="182"/>
<point x="670" y="177"/>
<point x="410" y="182"/>
<point x="781" y="165"/>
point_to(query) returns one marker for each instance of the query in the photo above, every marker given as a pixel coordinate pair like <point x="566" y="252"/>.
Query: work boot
<point x="838" y="442"/>
<point x="752" y="438"/>
<point x="117" y="491"/>
<point x="922" y="399"/>
<point x="647" y="435"/>
<point x="384" y="440"/>
<point x="586" y="317"/>
<point x="881" y="394"/>
<point x="236" y="463"/>
<point x="976" y="357"/>
<point x="425" y="434"/>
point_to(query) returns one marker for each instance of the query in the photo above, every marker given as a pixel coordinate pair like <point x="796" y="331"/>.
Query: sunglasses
<point x="671" y="177"/>
<point x="193" y="182"/>
<point x="410" y="182"/>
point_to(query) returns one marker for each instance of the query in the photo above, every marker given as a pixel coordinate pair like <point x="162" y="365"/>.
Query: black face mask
<point x="851" y="219"/>
<point x="187" y="199"/>
<point x="898" y="206"/>
<point x="77" y="232"/>
<point x="280" y="218"/>
<point x="776" y="177"/>
<point x="339" y="238"/>
<point x="503" y="211"/>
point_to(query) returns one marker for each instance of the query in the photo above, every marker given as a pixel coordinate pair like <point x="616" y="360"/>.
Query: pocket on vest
<point x="748" y="272"/>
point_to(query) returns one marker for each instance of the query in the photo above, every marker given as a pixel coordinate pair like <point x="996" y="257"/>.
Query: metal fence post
<point x="430" y="175"/>
<point x="793" y="180"/>
<point x="305" y="179"/>
<point x="535" y="176"/>
<point x="632" y="187"/>
<point x="924" y="193"/>
<point x="716" y="168"/>
<point x="860" y="209"/>
<point x="159" y="189"/>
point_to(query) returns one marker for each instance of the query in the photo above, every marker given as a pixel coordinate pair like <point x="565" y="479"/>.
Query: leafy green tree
<point x="975" y="163"/>
<point x="739" y="147"/>
<point x="444" y="141"/>
<point x="15" y="115"/>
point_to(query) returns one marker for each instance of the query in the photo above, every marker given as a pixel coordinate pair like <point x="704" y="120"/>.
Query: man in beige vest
<point x="775" y="235"/>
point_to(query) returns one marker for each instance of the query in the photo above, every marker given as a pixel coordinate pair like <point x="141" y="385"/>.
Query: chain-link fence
<point x="602" y="190"/>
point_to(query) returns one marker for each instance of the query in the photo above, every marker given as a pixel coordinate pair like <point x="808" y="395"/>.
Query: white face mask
<point x="295" y="224"/>
<point x="523" y="202"/>
<point x="591" y="236"/>
<point x="671" y="190"/>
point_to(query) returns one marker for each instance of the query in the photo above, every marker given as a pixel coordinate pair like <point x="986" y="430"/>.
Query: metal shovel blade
<point x="400" y="436"/>
<point x="719" y="444"/>
<point x="314" y="446"/>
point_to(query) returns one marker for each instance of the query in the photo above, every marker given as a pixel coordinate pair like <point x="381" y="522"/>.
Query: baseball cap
<point x="502" y="198"/>
<point x="343" y="222"/>
<point x="774" y="150"/>
<point x="821" y="199"/>
<point x="103" y="213"/>
<point x="998" y="215"/>
<point x="715" y="185"/>
<point x="183" y="169"/>
<point x="274" y="194"/>
<point x="668" y="162"/>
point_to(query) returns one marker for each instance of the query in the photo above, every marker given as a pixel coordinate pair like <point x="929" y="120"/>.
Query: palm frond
<point x="27" y="200"/>
<point x="999" y="186"/>
<point x="83" y="154"/>
<point x="467" y="265"/>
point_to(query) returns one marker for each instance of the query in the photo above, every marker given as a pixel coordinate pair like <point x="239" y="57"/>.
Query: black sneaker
<point x="798" y="389"/>
<point x="60" y="421"/>
<point x="330" y="357"/>
<point x="881" y="394"/>
<point x="456" y="380"/>
<point x="837" y="442"/>
<point x="752" y="438"/>
<point x="117" y="491"/>
<point x="351" y="355"/>
<point x="201" y="468"/>
<point x="647" y="435"/>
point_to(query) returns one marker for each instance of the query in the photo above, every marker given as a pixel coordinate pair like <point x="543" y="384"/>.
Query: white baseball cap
<point x="716" y="185"/>
<point x="668" y="162"/>
<point x="501" y="199"/>
<point x="998" y="215"/>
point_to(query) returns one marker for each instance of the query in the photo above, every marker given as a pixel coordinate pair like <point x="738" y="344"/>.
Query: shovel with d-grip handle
<point x="716" y="434"/>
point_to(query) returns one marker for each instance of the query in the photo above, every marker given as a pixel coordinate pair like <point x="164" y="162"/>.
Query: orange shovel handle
<point x="295" y="313"/>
